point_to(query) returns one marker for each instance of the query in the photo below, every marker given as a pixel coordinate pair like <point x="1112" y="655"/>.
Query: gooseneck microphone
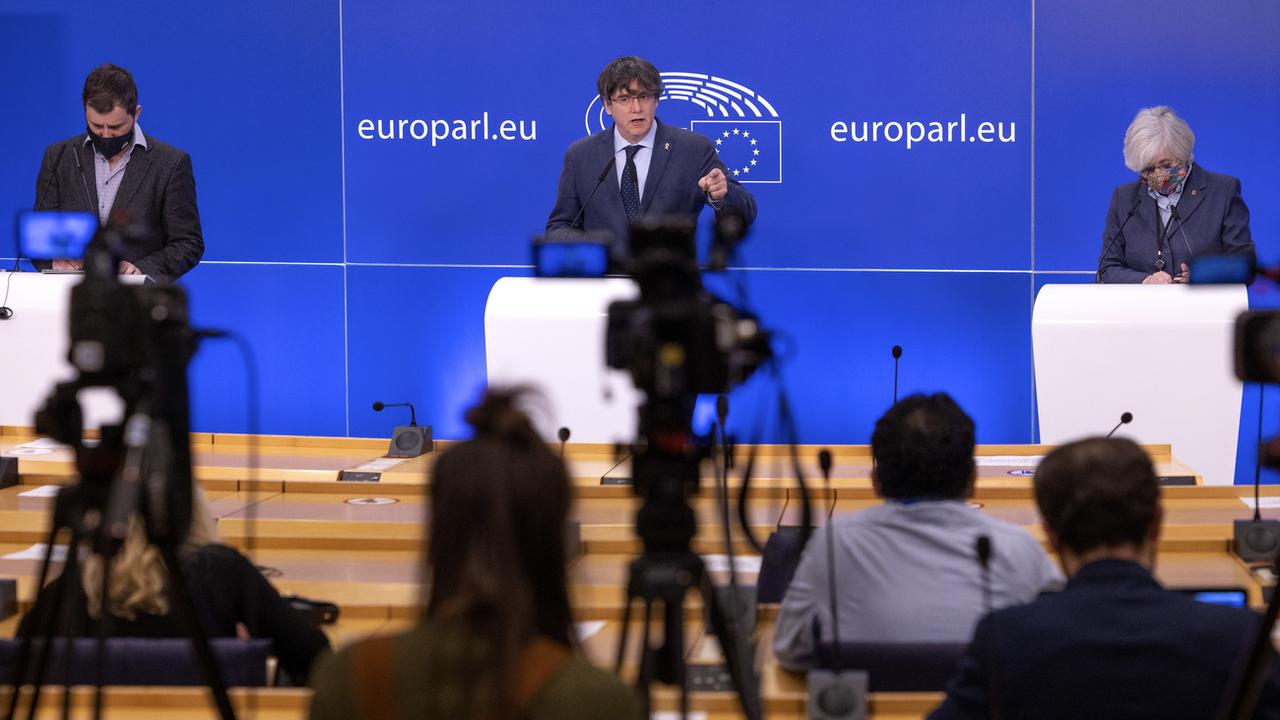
<point x="1133" y="209"/>
<point x="1125" y="419"/>
<point x="599" y="181"/>
<point x="982" y="548"/>
<point x="563" y="434"/>
<point x="1175" y="217"/>
<point x="897" y="356"/>
<point x="834" y="694"/>
<point x="413" y="416"/>
<point x="1258" y="538"/>
<point x="53" y="173"/>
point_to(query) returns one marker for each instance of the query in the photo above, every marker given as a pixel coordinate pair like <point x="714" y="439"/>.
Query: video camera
<point x="134" y="338"/>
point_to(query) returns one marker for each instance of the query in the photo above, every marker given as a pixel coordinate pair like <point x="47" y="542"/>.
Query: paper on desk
<point x="43" y="443"/>
<point x="589" y="629"/>
<point x="379" y="465"/>
<point x="37" y="551"/>
<point x="1266" y="502"/>
<point x="1008" y="460"/>
<point x="44" y="491"/>
<point x="741" y="563"/>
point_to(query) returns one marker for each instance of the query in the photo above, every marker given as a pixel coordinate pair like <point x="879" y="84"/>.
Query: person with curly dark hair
<point x="907" y="569"/>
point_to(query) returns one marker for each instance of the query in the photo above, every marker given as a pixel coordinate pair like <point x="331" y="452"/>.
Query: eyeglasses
<point x="626" y="100"/>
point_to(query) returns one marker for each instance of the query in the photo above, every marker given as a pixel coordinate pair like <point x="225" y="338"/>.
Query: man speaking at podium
<point x="113" y="166"/>
<point x="640" y="167"/>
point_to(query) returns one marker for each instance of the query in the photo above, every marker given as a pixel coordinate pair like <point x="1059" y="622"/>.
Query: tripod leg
<point x="185" y="607"/>
<point x="75" y="588"/>
<point x="622" y="637"/>
<point x="45" y="631"/>
<point x="104" y="632"/>
<point x="645" y="676"/>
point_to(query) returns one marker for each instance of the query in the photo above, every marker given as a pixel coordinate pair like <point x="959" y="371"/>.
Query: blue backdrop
<point x="922" y="168"/>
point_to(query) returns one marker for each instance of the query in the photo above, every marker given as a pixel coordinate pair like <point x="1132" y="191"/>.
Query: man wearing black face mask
<point x="112" y="167"/>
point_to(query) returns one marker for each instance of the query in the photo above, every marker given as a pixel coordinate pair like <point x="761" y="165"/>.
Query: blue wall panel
<point x="960" y="333"/>
<point x="417" y="334"/>
<point x="292" y="317"/>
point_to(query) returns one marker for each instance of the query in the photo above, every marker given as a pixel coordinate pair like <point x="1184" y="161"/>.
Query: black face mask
<point x="110" y="147"/>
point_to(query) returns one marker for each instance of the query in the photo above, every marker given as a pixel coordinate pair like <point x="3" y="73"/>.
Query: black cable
<point x="253" y="410"/>
<point x="1257" y="465"/>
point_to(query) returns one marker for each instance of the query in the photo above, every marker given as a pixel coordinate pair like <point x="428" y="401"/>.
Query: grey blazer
<point x="1215" y="221"/>
<point x="158" y="188"/>
<point x="680" y="158"/>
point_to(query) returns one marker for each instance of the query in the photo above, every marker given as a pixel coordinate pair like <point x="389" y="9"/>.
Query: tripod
<point x="665" y="473"/>
<point x="139" y="468"/>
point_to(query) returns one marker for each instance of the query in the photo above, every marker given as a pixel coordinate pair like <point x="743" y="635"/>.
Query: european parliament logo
<point x="743" y="124"/>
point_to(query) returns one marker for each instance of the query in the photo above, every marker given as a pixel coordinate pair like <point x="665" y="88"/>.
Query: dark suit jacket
<point x="679" y="159"/>
<point x="158" y="189"/>
<point x="1215" y="221"/>
<point x="1113" y="644"/>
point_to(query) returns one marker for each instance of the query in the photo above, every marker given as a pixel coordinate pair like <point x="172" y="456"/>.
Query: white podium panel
<point x="33" y="350"/>
<point x="550" y="333"/>
<point x="1163" y="353"/>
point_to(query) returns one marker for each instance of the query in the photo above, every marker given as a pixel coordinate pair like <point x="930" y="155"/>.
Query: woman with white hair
<point x="1175" y="212"/>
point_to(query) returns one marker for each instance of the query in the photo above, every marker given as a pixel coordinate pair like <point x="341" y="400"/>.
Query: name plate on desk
<point x="356" y="476"/>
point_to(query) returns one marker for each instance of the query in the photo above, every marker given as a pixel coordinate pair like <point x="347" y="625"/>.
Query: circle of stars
<point x="745" y="135"/>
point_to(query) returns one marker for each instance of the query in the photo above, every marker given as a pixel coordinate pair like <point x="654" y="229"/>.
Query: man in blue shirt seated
<point x="1114" y="643"/>
<point x="907" y="570"/>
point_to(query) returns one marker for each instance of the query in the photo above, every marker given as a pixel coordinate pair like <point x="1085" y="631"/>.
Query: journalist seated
<point x="1174" y="212"/>
<point x="231" y="596"/>
<point x="497" y="638"/>
<point x="1113" y="643"/>
<point x="907" y="570"/>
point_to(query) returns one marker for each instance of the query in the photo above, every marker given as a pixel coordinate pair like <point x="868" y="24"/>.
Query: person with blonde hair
<point x="231" y="596"/>
<point x="496" y="639"/>
<point x="1174" y="212"/>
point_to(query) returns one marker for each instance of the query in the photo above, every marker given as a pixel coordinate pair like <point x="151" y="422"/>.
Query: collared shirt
<point x="642" y="158"/>
<point x="1165" y="202"/>
<point x="108" y="178"/>
<point x="908" y="572"/>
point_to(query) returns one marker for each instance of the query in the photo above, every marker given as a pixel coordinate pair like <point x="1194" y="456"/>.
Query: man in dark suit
<point x="1175" y="212"/>
<point x="640" y="167"/>
<point x="114" y="169"/>
<point x="1114" y="643"/>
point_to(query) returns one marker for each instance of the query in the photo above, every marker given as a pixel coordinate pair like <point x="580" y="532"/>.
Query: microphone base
<point x="837" y="696"/>
<point x="8" y="472"/>
<point x="410" y="441"/>
<point x="1257" y="540"/>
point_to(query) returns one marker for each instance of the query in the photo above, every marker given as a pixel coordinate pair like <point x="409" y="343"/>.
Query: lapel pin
<point x="1194" y="191"/>
<point x="666" y="146"/>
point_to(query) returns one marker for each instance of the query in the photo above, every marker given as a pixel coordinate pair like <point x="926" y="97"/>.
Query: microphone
<point x="599" y="181"/>
<point x="1107" y="247"/>
<point x="897" y="355"/>
<point x="53" y="173"/>
<point x="1125" y="419"/>
<point x="982" y="547"/>
<point x="1175" y="217"/>
<point x="413" y="416"/>
<point x="833" y="693"/>
<point x="563" y="434"/>
<point x="1258" y="539"/>
<point x="83" y="185"/>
